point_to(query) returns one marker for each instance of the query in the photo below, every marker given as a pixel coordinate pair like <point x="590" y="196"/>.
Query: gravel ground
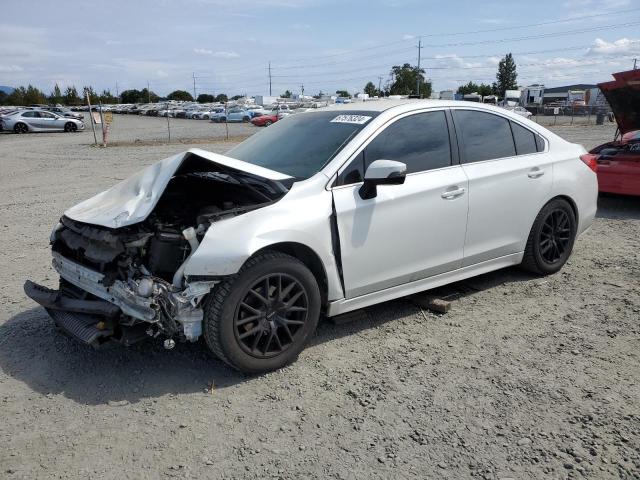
<point x="524" y="378"/>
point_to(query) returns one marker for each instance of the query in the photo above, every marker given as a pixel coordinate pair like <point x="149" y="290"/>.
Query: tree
<point x="131" y="96"/>
<point x="93" y="96"/>
<point x="56" y="95"/>
<point x="17" y="97"/>
<point x="481" y="89"/>
<point x="3" y="98"/>
<point x="107" y="97"/>
<point x="33" y="96"/>
<point x="406" y="78"/>
<point x="181" y="95"/>
<point x="71" y="97"/>
<point x="147" y="96"/>
<point x="286" y="94"/>
<point x="237" y="97"/>
<point x="205" y="98"/>
<point x="371" y="90"/>
<point x="343" y="93"/>
<point x="506" y="78"/>
<point x="222" y="98"/>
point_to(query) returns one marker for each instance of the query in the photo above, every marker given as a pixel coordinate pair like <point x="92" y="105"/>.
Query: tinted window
<point x="354" y="172"/>
<point x="484" y="136"/>
<point x="525" y="139"/>
<point x="301" y="145"/>
<point x="420" y="141"/>
<point x="539" y="143"/>
<point x="29" y="114"/>
<point x="47" y="115"/>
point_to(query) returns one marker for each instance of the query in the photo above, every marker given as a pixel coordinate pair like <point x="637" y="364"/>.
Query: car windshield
<point x="302" y="144"/>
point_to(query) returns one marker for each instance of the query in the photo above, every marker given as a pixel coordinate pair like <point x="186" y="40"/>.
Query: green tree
<point x="33" y="95"/>
<point x="468" y="88"/>
<point x="371" y="89"/>
<point x="286" y="94"/>
<point x="131" y="96"/>
<point x="56" y="95"/>
<point x="406" y="78"/>
<point x="506" y="78"/>
<point x="107" y="97"/>
<point x="222" y="98"/>
<point x="17" y="97"/>
<point x="93" y="96"/>
<point x="237" y="97"/>
<point x="71" y="96"/>
<point x="343" y="93"/>
<point x="181" y="95"/>
<point x="147" y="96"/>
<point x="205" y="98"/>
<point x="3" y="98"/>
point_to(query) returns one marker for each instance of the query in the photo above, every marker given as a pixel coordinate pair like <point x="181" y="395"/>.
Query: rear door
<point x="510" y="176"/>
<point x="409" y="231"/>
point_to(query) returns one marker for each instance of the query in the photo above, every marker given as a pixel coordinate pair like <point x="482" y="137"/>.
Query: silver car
<point x="324" y="212"/>
<point x="24" y="121"/>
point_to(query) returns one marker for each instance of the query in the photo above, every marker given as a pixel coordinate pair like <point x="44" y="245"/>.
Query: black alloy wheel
<point x="555" y="236"/>
<point x="261" y="318"/>
<point x="271" y="315"/>
<point x="20" y="128"/>
<point x="551" y="238"/>
<point x="70" y="127"/>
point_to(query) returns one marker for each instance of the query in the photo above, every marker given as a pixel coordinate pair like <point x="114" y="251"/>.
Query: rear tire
<point x="260" y="319"/>
<point x="551" y="238"/>
<point x="70" y="127"/>
<point x="267" y="123"/>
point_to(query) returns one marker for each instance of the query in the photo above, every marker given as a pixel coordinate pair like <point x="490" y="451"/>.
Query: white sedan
<point x="327" y="211"/>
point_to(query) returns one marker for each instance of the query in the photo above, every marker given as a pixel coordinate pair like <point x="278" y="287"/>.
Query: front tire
<point x="267" y="123"/>
<point x="70" y="127"/>
<point x="20" y="128"/>
<point x="551" y="238"/>
<point x="260" y="319"/>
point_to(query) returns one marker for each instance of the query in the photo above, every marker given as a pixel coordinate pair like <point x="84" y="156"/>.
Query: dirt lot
<point x="524" y="378"/>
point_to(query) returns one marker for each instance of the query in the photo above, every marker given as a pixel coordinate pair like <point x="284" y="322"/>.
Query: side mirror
<point x="382" y="172"/>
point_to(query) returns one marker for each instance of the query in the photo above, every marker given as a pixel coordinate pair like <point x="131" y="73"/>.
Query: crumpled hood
<point x="132" y="200"/>
<point x="623" y="95"/>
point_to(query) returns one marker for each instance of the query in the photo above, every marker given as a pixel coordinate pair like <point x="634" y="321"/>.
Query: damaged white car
<point x="322" y="213"/>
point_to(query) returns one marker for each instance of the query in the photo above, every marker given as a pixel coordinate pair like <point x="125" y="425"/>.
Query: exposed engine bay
<point x="140" y="268"/>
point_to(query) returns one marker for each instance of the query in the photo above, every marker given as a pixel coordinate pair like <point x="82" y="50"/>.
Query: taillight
<point x="591" y="160"/>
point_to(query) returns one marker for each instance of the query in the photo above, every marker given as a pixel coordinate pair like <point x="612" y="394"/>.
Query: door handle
<point x="453" y="193"/>
<point x="535" y="173"/>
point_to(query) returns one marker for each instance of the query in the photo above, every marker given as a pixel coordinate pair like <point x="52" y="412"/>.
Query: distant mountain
<point x="7" y="90"/>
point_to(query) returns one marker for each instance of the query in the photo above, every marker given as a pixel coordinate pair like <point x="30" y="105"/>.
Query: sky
<point x="324" y="45"/>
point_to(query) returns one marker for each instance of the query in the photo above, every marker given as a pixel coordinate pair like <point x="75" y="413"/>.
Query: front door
<point x="409" y="231"/>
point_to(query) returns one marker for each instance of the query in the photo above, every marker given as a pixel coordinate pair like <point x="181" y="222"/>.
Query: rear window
<point x="524" y="138"/>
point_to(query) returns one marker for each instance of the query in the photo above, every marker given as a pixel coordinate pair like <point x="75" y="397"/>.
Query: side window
<point x="421" y="141"/>
<point x="29" y="114"/>
<point x="539" y="142"/>
<point x="525" y="139"/>
<point x="484" y="136"/>
<point x="46" y="115"/>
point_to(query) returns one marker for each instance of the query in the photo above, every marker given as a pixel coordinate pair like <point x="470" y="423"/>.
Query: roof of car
<point x="385" y="104"/>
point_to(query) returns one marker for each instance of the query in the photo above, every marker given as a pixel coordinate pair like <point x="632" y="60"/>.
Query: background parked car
<point x="232" y="115"/>
<point x="24" y="121"/>
<point x="264" y="120"/>
<point x="65" y="112"/>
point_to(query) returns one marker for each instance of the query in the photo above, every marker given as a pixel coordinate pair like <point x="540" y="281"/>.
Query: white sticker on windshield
<point x="355" y="119"/>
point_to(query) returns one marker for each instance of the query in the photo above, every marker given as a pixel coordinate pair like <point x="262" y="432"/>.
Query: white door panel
<point x="407" y="232"/>
<point x="505" y="196"/>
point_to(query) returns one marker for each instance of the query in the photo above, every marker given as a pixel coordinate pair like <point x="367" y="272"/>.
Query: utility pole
<point x="148" y="92"/>
<point x="117" y="92"/>
<point x="194" y="85"/>
<point x="418" y="79"/>
<point x="270" y="78"/>
<point x="302" y="90"/>
<point x="380" y="85"/>
<point x="635" y="61"/>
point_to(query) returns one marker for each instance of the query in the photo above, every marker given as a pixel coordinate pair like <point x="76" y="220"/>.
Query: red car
<point x="264" y="120"/>
<point x="618" y="162"/>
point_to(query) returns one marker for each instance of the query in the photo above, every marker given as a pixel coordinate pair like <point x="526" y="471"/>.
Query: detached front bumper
<point x="89" y="321"/>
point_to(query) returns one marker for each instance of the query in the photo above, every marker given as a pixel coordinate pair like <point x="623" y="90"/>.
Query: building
<point x="566" y="94"/>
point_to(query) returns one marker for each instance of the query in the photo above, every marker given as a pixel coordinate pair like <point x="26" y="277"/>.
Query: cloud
<point x="300" y="26"/>
<point x="11" y="68"/>
<point x="162" y="74"/>
<point x="225" y="54"/>
<point x="219" y="54"/>
<point x="623" y="46"/>
<point x="406" y="36"/>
